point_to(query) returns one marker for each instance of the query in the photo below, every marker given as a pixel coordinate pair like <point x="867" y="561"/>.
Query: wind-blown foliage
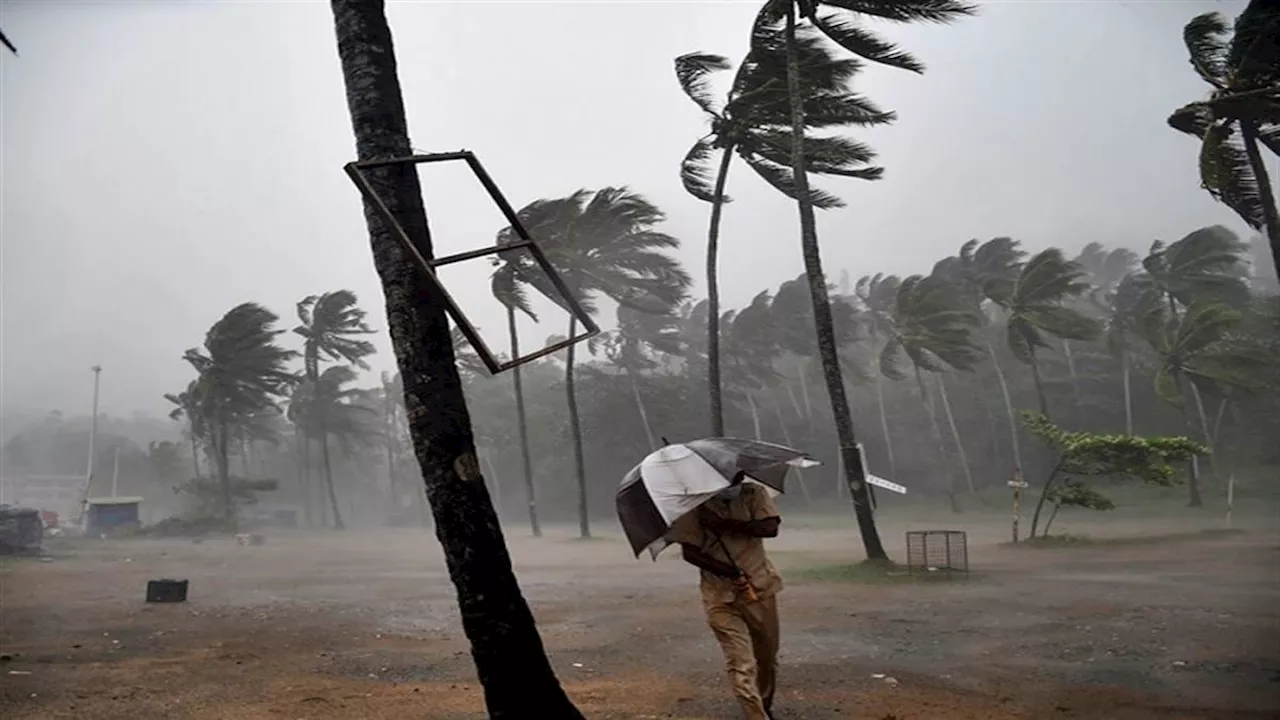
<point x="1242" y="68"/>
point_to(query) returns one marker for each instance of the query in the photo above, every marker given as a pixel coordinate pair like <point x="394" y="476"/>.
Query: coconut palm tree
<point x="511" y="293"/>
<point x="1127" y="309"/>
<point x="932" y="327"/>
<point x="1207" y="264"/>
<point x="1194" y="354"/>
<point x="752" y="124"/>
<point x="1242" y="68"/>
<point x="978" y="270"/>
<point x="776" y="28"/>
<point x="878" y="295"/>
<point x="240" y="371"/>
<point x="602" y="243"/>
<point x="632" y="346"/>
<point x="187" y="408"/>
<point x="328" y="408"/>
<point x="1035" y="307"/>
<point x="331" y="327"/>
<point x="505" y="645"/>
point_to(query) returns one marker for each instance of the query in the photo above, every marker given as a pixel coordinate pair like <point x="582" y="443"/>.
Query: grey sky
<point x="166" y="160"/>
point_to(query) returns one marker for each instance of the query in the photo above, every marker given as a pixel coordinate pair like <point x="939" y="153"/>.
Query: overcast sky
<point x="166" y="160"/>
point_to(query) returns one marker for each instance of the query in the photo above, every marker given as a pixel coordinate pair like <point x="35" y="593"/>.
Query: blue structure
<point x="105" y="514"/>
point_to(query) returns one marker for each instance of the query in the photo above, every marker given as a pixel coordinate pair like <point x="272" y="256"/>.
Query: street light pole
<point x="93" y="439"/>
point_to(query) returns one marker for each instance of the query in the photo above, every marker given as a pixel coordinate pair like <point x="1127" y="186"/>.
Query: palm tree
<point x="187" y="408"/>
<point x="1193" y="353"/>
<point x="752" y="123"/>
<point x="331" y="327"/>
<point x="241" y="371"/>
<point x="878" y="295"/>
<point x="326" y="409"/>
<point x="639" y="335"/>
<point x="1127" y="308"/>
<point x="508" y="652"/>
<point x="978" y="270"/>
<point x="1034" y="305"/>
<point x="601" y="243"/>
<point x="1207" y="264"/>
<point x="839" y="24"/>
<point x="932" y="327"/>
<point x="1242" y="69"/>
<point x="511" y="293"/>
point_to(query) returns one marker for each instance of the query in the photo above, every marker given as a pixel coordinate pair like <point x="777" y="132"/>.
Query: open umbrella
<point x="674" y="480"/>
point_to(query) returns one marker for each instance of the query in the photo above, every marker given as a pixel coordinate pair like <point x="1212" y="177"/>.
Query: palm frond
<point x="510" y="291"/>
<point x="841" y="27"/>
<point x="697" y="174"/>
<point x="1205" y="38"/>
<point x="693" y="70"/>
<point x="1227" y="175"/>
<point x="1194" y="119"/>
<point x="783" y="180"/>
<point x="939" y="11"/>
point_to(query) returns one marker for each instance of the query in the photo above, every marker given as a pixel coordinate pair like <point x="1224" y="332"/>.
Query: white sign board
<point x="882" y="483"/>
<point x="1018" y="484"/>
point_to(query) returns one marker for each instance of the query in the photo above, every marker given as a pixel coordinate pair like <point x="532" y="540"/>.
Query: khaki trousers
<point x="748" y="635"/>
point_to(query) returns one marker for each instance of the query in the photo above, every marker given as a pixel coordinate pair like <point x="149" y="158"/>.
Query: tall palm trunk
<point x="1204" y="429"/>
<point x="1008" y="405"/>
<point x="1076" y="397"/>
<point x="823" y="324"/>
<point x="575" y="428"/>
<point x="1035" y="376"/>
<point x="195" y="453"/>
<point x="644" y="414"/>
<point x="1126" y="380"/>
<point x="222" y="454"/>
<point x="1270" y="216"/>
<point x="510" y="660"/>
<point x="304" y="472"/>
<point x="1193" y="467"/>
<point x="955" y="435"/>
<point x="926" y="399"/>
<point x="884" y="426"/>
<point x="755" y="415"/>
<point x="522" y="421"/>
<point x="328" y="479"/>
<point x="714" y="387"/>
<point x="786" y="437"/>
<point x="392" y="445"/>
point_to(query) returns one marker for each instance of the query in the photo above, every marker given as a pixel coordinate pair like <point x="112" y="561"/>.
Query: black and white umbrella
<point x="674" y="480"/>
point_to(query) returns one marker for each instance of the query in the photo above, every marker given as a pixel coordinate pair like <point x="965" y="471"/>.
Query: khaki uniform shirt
<point x="748" y="554"/>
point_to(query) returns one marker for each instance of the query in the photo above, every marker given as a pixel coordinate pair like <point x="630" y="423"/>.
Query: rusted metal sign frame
<point x="355" y="170"/>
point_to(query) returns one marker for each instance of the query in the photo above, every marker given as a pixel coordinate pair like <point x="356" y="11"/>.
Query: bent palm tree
<point x="508" y="652"/>
<point x="1034" y="304"/>
<point x="241" y="371"/>
<point x="507" y="288"/>
<point x="1207" y="264"/>
<point x="331" y="327"/>
<point x="933" y="328"/>
<point x="1243" y="111"/>
<point x="631" y="347"/>
<point x="188" y="408"/>
<point x="840" y="26"/>
<point x="602" y="243"/>
<point x="752" y="123"/>
<point x="328" y="408"/>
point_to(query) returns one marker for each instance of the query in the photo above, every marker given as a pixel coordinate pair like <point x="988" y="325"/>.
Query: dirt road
<point x="363" y="625"/>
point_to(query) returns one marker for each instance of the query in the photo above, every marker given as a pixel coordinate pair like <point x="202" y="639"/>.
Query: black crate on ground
<point x="166" y="591"/>
<point x="937" y="553"/>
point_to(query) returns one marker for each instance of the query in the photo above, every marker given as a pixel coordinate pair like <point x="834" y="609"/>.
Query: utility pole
<point x="93" y="439"/>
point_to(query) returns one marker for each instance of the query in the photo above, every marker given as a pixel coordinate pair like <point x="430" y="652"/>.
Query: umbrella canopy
<point x="676" y="479"/>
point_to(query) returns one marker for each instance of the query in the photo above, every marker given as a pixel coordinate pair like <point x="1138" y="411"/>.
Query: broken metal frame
<point x="355" y="170"/>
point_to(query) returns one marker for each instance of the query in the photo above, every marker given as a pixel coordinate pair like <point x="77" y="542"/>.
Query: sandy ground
<point x="363" y="625"/>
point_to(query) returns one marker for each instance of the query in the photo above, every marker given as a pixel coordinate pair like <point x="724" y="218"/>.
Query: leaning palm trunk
<point x="575" y="428"/>
<point x="786" y="437"/>
<point x="1270" y="216"/>
<point x="823" y="324"/>
<point x="1204" y="429"/>
<point x="1193" y="467"/>
<point x="755" y="416"/>
<point x="522" y="422"/>
<point x="1035" y="376"/>
<point x="222" y="455"/>
<point x="510" y="660"/>
<point x="195" y="454"/>
<point x="1008" y="405"/>
<point x="955" y="435"/>
<point x="926" y="399"/>
<point x="1125" y="372"/>
<point x="644" y="414"/>
<point x="714" y="387"/>
<point x="1075" y="383"/>
<point x="328" y="479"/>
<point x="884" y="426"/>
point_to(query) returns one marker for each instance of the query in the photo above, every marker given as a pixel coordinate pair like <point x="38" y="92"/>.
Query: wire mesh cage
<point x="937" y="553"/>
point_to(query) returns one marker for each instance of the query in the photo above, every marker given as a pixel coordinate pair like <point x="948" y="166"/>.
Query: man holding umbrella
<point x="724" y="539"/>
